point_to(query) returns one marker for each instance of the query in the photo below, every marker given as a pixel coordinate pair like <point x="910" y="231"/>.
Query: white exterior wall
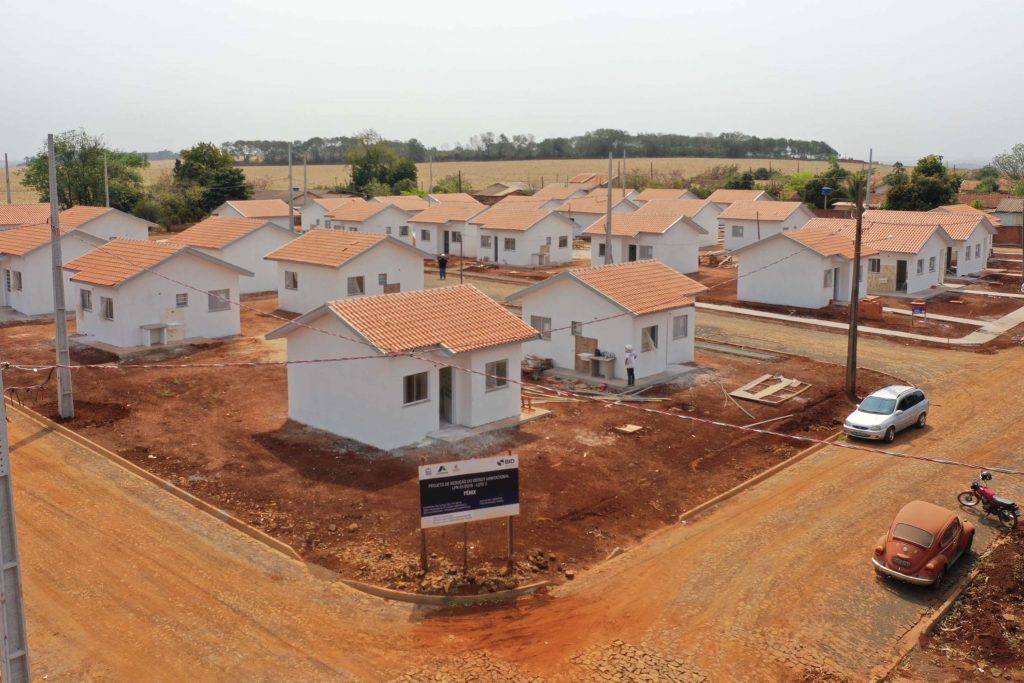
<point x="363" y="400"/>
<point x="150" y="299"/>
<point x="313" y="216"/>
<point x="677" y="248"/>
<point x="707" y="218"/>
<point x="529" y="242"/>
<point x="227" y="211"/>
<point x="1010" y="218"/>
<point x="798" y="281"/>
<point x="318" y="284"/>
<point x="36" y="267"/>
<point x="979" y="241"/>
<point x="768" y="228"/>
<point x="435" y="245"/>
<point x="115" y="224"/>
<point x="385" y="222"/>
<point x="568" y="301"/>
<point x="935" y="246"/>
<point x="248" y="253"/>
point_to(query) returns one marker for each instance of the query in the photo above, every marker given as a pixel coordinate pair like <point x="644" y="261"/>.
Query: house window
<point x="291" y="279"/>
<point x="356" y="285"/>
<point x="737" y="231"/>
<point x="967" y="254"/>
<point x="497" y="374"/>
<point x="977" y="251"/>
<point x="649" y="338"/>
<point x="382" y="279"/>
<point x="577" y="328"/>
<point x="415" y="388"/>
<point x="874" y="265"/>
<point x="600" y="248"/>
<point x="16" y="274"/>
<point x="681" y="326"/>
<point x="181" y="300"/>
<point x="219" y="299"/>
<point x="563" y="241"/>
<point x="403" y="230"/>
<point x="828" y="277"/>
<point x="7" y="280"/>
<point x="646" y="252"/>
<point x="931" y="264"/>
<point x="542" y="325"/>
<point x="353" y="229"/>
<point x="387" y="230"/>
<point x="485" y="241"/>
<point x="510" y="244"/>
<point x="107" y="307"/>
<point x="456" y="236"/>
<point x="85" y="299"/>
<point x="920" y="266"/>
<point x="425" y="235"/>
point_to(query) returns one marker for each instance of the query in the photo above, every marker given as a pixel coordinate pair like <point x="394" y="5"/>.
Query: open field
<point x="477" y="174"/>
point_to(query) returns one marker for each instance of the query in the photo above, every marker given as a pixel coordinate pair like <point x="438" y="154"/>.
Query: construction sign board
<point x="469" y="490"/>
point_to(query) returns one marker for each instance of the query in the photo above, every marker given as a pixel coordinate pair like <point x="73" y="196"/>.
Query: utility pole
<point x="65" y="399"/>
<point x="12" y="606"/>
<point x="106" y="183"/>
<point x="623" y="170"/>
<point x="608" y="217"/>
<point x="305" y="175"/>
<point x="851" y="341"/>
<point x="291" y="192"/>
<point x="7" y="172"/>
<point x="430" y="174"/>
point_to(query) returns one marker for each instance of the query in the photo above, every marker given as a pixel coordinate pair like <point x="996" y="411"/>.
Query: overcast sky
<point x="906" y="77"/>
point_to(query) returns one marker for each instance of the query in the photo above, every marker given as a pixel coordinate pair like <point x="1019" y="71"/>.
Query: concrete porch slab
<point x="671" y="373"/>
<point x="456" y="433"/>
<point x="126" y="352"/>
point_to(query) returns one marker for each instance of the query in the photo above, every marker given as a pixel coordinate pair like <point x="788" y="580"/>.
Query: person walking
<point x="630" y="366"/>
<point x="442" y="265"/>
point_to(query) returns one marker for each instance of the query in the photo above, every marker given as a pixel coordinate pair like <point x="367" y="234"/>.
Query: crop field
<point x="478" y="174"/>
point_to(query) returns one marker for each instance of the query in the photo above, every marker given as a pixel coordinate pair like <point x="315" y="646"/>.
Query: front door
<point x="836" y="290"/>
<point x="632" y="252"/>
<point x="446" y="238"/>
<point x="495" y="248"/>
<point x="901" y="276"/>
<point x="950" y="260"/>
<point x="447" y="395"/>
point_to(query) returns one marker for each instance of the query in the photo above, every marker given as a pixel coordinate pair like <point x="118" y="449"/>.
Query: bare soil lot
<point x="223" y="434"/>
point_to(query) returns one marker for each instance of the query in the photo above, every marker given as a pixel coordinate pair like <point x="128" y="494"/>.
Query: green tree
<point x="834" y="176"/>
<point x="744" y="181"/>
<point x="451" y="183"/>
<point x="929" y="184"/>
<point x="374" y="162"/>
<point x="212" y="170"/>
<point x="80" y="172"/>
<point x="1011" y="163"/>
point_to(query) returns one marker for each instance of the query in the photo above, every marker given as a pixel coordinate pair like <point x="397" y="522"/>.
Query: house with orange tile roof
<point x="700" y="211"/>
<point x="26" y="266"/>
<point x="557" y="194"/>
<point x="585" y="211"/>
<point x="446" y="197"/>
<point x="910" y="256"/>
<point x="273" y="210"/>
<point x="375" y="218"/>
<point x="672" y="240"/>
<point x="243" y="242"/>
<point x="134" y="293"/>
<point x="104" y="222"/>
<point x="523" y="235"/>
<point x="655" y="193"/>
<point x="971" y="231"/>
<point x="807" y="268"/>
<point x="747" y="221"/>
<point x="617" y="193"/>
<point x="437" y="359"/>
<point x="586" y="317"/>
<point x="315" y="210"/>
<point x="407" y="202"/>
<point x="725" y="197"/>
<point x="444" y="228"/>
<point x="324" y="264"/>
<point x="13" y="215"/>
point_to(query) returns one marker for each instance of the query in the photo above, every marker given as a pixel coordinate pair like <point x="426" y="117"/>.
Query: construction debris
<point x="771" y="389"/>
<point x="628" y="429"/>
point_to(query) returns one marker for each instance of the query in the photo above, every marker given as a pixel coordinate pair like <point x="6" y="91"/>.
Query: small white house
<point x="376" y="218"/>
<point x="672" y="240"/>
<point x="144" y="293"/>
<point x="243" y="242"/>
<point x="104" y="222"/>
<point x="322" y="265"/>
<point x="586" y="314"/>
<point x="657" y="193"/>
<point x="409" y="203"/>
<point x="808" y="268"/>
<point x="585" y="211"/>
<point x="523" y="235"/>
<point x="724" y="198"/>
<point x="26" y="266"/>
<point x="13" y="215"/>
<point x="701" y="211"/>
<point x="1010" y="211"/>
<point x="457" y="364"/>
<point x="314" y="211"/>
<point x="444" y="228"/>
<point x="273" y="210"/>
<point x="971" y="231"/>
<point x="745" y="222"/>
<point x="559" y="193"/>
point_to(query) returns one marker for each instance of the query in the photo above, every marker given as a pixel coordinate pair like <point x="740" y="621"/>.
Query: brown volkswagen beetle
<point x="923" y="542"/>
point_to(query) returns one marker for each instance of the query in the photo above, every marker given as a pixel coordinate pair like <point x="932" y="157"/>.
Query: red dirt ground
<point x="223" y="434"/>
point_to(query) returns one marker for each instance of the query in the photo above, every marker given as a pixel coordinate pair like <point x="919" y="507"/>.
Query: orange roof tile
<point x="331" y="248"/>
<point x="958" y="224"/>
<point x="764" y="210"/>
<point x="523" y="200"/>
<point x="357" y="212"/>
<point x="259" y="208"/>
<point x="617" y="192"/>
<point x="405" y="202"/>
<point x="24" y="214"/>
<point x="599" y="178"/>
<point x="445" y="197"/>
<point x="458" y="319"/>
<point x="641" y="287"/>
<point x="26" y="238"/>
<point x="590" y="204"/>
<point x="632" y="224"/>
<point x="968" y="209"/>
<point x="827" y="242"/>
<point x="901" y="238"/>
<point x="331" y="203"/>
<point x="555" y="192"/>
<point x="119" y="260"/>
<point x="78" y="215"/>
<point x="654" y="193"/>
<point x="217" y="232"/>
<point x="511" y="216"/>
<point x="724" y="196"/>
<point x="448" y="211"/>
<point x="674" y="207"/>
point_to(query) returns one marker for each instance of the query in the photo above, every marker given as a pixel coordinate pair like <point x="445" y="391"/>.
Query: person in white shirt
<point x="630" y="365"/>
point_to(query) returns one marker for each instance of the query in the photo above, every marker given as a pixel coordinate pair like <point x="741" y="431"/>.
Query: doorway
<point x="156" y="336"/>
<point x="836" y="289"/>
<point x="632" y="252"/>
<point x="951" y="259"/>
<point x="901" y="276"/>
<point x="446" y="238"/>
<point x="447" y="408"/>
<point x="495" y="248"/>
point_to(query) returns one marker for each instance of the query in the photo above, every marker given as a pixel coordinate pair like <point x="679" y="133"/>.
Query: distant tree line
<point x="500" y="147"/>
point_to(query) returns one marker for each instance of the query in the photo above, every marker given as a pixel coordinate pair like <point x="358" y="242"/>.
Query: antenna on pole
<point x="291" y="192"/>
<point x="7" y="172"/>
<point x="106" y="183"/>
<point x="608" y="216"/>
<point x="65" y="399"/>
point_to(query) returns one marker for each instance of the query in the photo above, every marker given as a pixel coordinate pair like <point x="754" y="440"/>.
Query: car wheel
<point x="922" y="420"/>
<point x="937" y="584"/>
<point x="890" y="434"/>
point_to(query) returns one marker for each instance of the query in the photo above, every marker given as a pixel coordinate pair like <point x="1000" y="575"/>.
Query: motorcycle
<point x="1007" y="511"/>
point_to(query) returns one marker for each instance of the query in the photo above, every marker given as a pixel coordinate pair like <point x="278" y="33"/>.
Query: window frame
<point x="644" y="252"/>
<point x="413" y="381"/>
<point x="829" y="278"/>
<point x="545" y="330"/>
<point x="737" y="231"/>
<point x="403" y="230"/>
<point x="507" y="241"/>
<point x="179" y="302"/>
<point x="685" y="318"/>
<point x="496" y="375"/>
<point x="649" y="338"/>
<point x="931" y="264"/>
<point x="18" y="280"/>
<point x="382" y="279"/>
<point x="294" y="279"/>
<point x="216" y="304"/>
<point x="355" y="279"/>
<point x="424" y="235"/>
<point x="874" y="265"/>
<point x="85" y="299"/>
<point x="920" y="266"/>
<point x="576" y="328"/>
<point x="107" y="304"/>
<point x="563" y="241"/>
<point x="485" y="241"/>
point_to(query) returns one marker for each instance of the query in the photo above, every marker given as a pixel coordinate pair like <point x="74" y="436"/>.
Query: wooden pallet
<point x="771" y="389"/>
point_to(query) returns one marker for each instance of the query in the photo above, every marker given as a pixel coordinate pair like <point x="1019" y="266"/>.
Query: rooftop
<point x="217" y="232"/>
<point x="448" y="211"/>
<point x="556" y="192"/>
<point x="357" y="212"/>
<point x="901" y="238"/>
<point x="745" y="209"/>
<point x="79" y="215"/>
<point x="447" y="197"/>
<point x="26" y="238"/>
<point x="331" y="248"/>
<point x="959" y="224"/>
<point x="119" y="260"/>
<point x="674" y="207"/>
<point x="507" y="215"/>
<point x="331" y="203"/>
<point x="591" y="204"/>
<point x="1011" y="205"/>
<point x="632" y="224"/>
<point x="828" y="243"/>
<point x="24" y="214"/>
<point x="653" y="193"/>
<point x="259" y="208"/>
<point x="724" y="196"/>
<point x="410" y="202"/>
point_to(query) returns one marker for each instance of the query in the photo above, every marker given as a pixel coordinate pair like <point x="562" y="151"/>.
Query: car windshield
<point x="912" y="534"/>
<point x="877" y="405"/>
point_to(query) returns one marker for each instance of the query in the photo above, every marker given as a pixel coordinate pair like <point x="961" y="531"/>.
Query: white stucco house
<point x="465" y="350"/>
<point x="323" y="265"/>
<point x="585" y="211"/>
<point x="724" y="198"/>
<point x="243" y="242"/>
<point x="273" y="210"/>
<point x="13" y="215"/>
<point x="315" y="210"/>
<point x="375" y="218"/>
<point x="104" y="222"/>
<point x="410" y="203"/>
<point x="700" y="211"/>
<point x="645" y="304"/>
<point x="144" y="293"/>
<point x="26" y="266"/>
<point x="445" y="228"/>
<point x="672" y="240"/>
<point x="558" y="194"/>
<point x="523" y="235"/>
<point x="659" y="193"/>
<point x="745" y="222"/>
<point x="1010" y="211"/>
<point x="971" y="231"/>
<point x="807" y="268"/>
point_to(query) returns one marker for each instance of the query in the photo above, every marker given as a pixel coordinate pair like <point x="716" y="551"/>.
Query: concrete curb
<point x="131" y="467"/>
<point x="445" y="600"/>
<point x="912" y="638"/>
